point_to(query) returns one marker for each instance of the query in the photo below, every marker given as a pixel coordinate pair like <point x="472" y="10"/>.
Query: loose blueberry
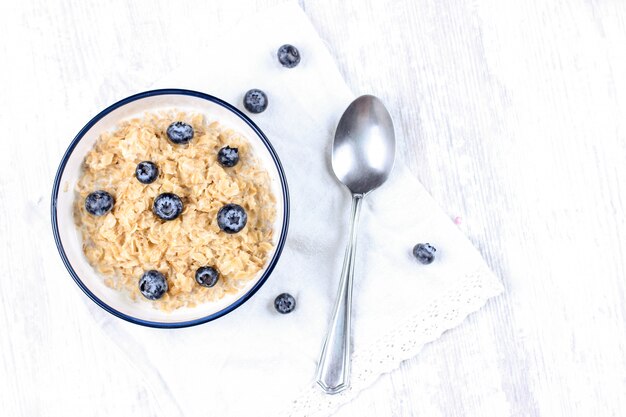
<point x="146" y="172"/>
<point x="180" y="133"/>
<point x="99" y="203"/>
<point x="424" y="252"/>
<point x="228" y="157"/>
<point x="232" y="218"/>
<point x="255" y="101"/>
<point x="153" y="285"/>
<point x="288" y="56"/>
<point x="285" y="303"/>
<point x="167" y="206"/>
<point x="207" y="276"/>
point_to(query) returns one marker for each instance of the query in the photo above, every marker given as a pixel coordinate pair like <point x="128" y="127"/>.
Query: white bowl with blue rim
<point x="68" y="237"/>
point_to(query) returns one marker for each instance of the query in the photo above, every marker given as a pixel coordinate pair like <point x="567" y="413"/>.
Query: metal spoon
<point x="362" y="158"/>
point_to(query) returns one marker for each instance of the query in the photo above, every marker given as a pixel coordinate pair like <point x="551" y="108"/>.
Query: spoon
<point x="362" y="158"/>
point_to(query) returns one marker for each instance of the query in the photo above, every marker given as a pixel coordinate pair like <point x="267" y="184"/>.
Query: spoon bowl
<point x="364" y="148"/>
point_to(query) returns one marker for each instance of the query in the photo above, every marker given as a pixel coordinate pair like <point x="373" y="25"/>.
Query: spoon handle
<point x="333" y="369"/>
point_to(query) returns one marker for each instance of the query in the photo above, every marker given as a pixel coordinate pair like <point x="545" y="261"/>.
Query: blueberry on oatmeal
<point x="180" y="133"/>
<point x="424" y="252"/>
<point x="288" y="56"/>
<point x="255" y="101"/>
<point x="228" y="157"/>
<point x="99" y="203"/>
<point x="207" y="276"/>
<point x="285" y="303"/>
<point x="153" y="285"/>
<point x="232" y="218"/>
<point x="167" y="206"/>
<point x="146" y="172"/>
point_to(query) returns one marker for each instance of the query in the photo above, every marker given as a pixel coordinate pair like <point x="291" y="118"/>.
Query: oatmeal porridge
<point x="175" y="210"/>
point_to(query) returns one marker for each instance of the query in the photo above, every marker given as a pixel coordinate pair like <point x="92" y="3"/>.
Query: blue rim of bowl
<point x="279" y="245"/>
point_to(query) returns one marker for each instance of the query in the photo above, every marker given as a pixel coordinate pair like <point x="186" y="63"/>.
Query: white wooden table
<point x="512" y="114"/>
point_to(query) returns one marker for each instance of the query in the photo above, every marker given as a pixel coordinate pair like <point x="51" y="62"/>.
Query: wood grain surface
<point x="511" y="113"/>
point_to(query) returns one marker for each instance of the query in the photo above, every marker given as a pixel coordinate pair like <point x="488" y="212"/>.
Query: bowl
<point x="68" y="238"/>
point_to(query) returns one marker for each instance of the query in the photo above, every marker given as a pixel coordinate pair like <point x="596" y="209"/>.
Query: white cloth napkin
<point x="255" y="361"/>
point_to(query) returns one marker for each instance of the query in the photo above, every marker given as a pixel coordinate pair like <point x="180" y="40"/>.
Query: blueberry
<point x="288" y="56"/>
<point x="99" y="203"/>
<point x="207" y="276"/>
<point x="180" y="133"/>
<point x="228" y="157"/>
<point x="424" y="252"/>
<point x="146" y="172"/>
<point x="153" y="285"/>
<point x="232" y="218"/>
<point x="285" y="303"/>
<point x="167" y="206"/>
<point x="255" y="101"/>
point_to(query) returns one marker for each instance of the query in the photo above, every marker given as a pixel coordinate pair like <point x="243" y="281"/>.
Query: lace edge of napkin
<point x="403" y="342"/>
